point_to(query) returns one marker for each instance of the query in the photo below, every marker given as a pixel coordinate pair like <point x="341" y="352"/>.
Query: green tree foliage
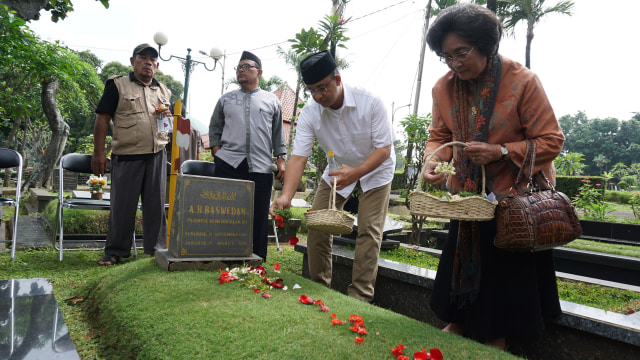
<point x="601" y="161"/>
<point x="32" y="70"/>
<point x="32" y="61"/>
<point x="416" y="131"/>
<point x="30" y="9"/>
<point x="618" y="141"/>
<point x="529" y="12"/>
<point x="329" y="37"/>
<point x="619" y="170"/>
<point x="569" y="163"/>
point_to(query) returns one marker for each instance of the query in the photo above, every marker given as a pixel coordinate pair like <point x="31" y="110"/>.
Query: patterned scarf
<point x="471" y="125"/>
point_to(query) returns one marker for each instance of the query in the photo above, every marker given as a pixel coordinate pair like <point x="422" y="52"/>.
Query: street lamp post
<point x="187" y="63"/>
<point x="393" y="112"/>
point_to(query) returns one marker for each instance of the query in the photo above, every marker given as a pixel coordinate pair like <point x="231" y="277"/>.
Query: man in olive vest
<point x="136" y="104"/>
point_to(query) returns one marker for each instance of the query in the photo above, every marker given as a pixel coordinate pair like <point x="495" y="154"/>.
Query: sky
<point x="576" y="57"/>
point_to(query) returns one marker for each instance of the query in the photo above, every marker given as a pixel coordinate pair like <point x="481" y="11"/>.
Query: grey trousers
<point x="132" y="180"/>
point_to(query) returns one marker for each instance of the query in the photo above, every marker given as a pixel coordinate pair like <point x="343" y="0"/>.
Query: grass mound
<point x="144" y="312"/>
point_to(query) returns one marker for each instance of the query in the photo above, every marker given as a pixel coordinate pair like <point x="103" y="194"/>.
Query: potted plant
<point x="96" y="185"/>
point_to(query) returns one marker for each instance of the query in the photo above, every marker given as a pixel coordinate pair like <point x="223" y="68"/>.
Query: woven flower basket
<point x="472" y="208"/>
<point x="330" y="220"/>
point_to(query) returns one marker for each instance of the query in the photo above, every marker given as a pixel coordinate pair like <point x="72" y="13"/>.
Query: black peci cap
<point x="317" y="66"/>
<point x="249" y="56"/>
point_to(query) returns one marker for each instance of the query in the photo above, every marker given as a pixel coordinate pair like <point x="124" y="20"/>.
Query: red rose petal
<point x="436" y="354"/>
<point x="421" y="355"/>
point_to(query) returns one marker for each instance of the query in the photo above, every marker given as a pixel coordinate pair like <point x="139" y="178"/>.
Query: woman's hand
<point x="483" y="153"/>
<point x="431" y="177"/>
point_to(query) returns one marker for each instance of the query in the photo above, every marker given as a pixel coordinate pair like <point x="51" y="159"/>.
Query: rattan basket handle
<point x="452" y="143"/>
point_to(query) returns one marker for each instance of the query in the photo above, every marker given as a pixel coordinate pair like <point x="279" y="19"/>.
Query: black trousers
<point x="132" y="180"/>
<point x="262" y="197"/>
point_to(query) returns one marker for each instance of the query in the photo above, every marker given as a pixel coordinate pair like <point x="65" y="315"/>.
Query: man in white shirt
<point x="354" y="124"/>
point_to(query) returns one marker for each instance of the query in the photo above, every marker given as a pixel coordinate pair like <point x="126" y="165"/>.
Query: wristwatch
<point x="504" y="151"/>
<point x="282" y="156"/>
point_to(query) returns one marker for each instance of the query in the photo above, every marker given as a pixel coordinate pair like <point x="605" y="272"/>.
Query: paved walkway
<point x="32" y="233"/>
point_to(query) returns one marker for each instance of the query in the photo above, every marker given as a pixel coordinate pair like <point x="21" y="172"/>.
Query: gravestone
<point x="212" y="217"/>
<point x="70" y="179"/>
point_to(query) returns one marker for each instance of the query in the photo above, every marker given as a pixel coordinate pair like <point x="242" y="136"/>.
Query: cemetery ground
<point x="138" y="310"/>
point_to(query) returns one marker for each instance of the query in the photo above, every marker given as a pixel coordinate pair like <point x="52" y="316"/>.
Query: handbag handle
<point x="424" y="166"/>
<point x="529" y="162"/>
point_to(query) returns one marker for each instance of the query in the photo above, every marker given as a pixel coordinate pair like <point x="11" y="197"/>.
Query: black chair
<point x="81" y="164"/>
<point x="12" y="159"/>
<point x="197" y="167"/>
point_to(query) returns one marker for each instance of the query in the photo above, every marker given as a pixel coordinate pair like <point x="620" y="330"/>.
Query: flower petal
<point x="397" y="351"/>
<point x="359" y="340"/>
<point x="436" y="354"/>
<point x="421" y="355"/>
<point x="305" y="299"/>
<point x="293" y="240"/>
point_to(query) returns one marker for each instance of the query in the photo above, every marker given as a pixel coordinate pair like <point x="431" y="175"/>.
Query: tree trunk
<point x="529" y="40"/>
<point x="23" y="145"/>
<point x="26" y="9"/>
<point x="492" y="5"/>
<point x="59" y="133"/>
<point x="293" y="118"/>
<point x="427" y="14"/>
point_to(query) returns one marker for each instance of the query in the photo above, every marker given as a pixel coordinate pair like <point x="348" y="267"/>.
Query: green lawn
<point x="136" y="310"/>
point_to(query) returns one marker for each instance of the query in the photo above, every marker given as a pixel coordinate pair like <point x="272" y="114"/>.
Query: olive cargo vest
<point x="135" y="128"/>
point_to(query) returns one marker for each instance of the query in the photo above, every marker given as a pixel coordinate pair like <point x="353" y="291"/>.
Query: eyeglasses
<point x="321" y="90"/>
<point x="459" y="57"/>
<point x="244" y="67"/>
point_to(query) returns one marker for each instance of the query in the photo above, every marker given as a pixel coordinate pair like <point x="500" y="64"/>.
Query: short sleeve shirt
<point x="352" y="132"/>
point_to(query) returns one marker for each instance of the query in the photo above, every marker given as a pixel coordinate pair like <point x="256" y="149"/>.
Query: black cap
<point x="317" y="67"/>
<point x="249" y="56"/>
<point x="142" y="47"/>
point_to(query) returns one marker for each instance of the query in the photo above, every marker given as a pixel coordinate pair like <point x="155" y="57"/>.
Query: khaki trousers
<point x="372" y="212"/>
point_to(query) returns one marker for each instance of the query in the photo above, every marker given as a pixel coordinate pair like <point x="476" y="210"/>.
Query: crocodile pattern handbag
<point x="539" y="219"/>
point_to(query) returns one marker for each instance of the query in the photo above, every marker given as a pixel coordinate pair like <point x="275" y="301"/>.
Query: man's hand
<point x="214" y="150"/>
<point x="281" y="203"/>
<point x="345" y="176"/>
<point x="99" y="164"/>
<point x="281" y="169"/>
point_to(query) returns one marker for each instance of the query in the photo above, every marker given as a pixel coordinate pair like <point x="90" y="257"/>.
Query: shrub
<point x="623" y="185"/>
<point x="77" y="221"/>
<point x="629" y="179"/>
<point x="399" y="180"/>
<point x="620" y="197"/>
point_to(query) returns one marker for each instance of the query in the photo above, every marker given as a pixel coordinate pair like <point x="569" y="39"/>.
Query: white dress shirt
<point x="352" y="132"/>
